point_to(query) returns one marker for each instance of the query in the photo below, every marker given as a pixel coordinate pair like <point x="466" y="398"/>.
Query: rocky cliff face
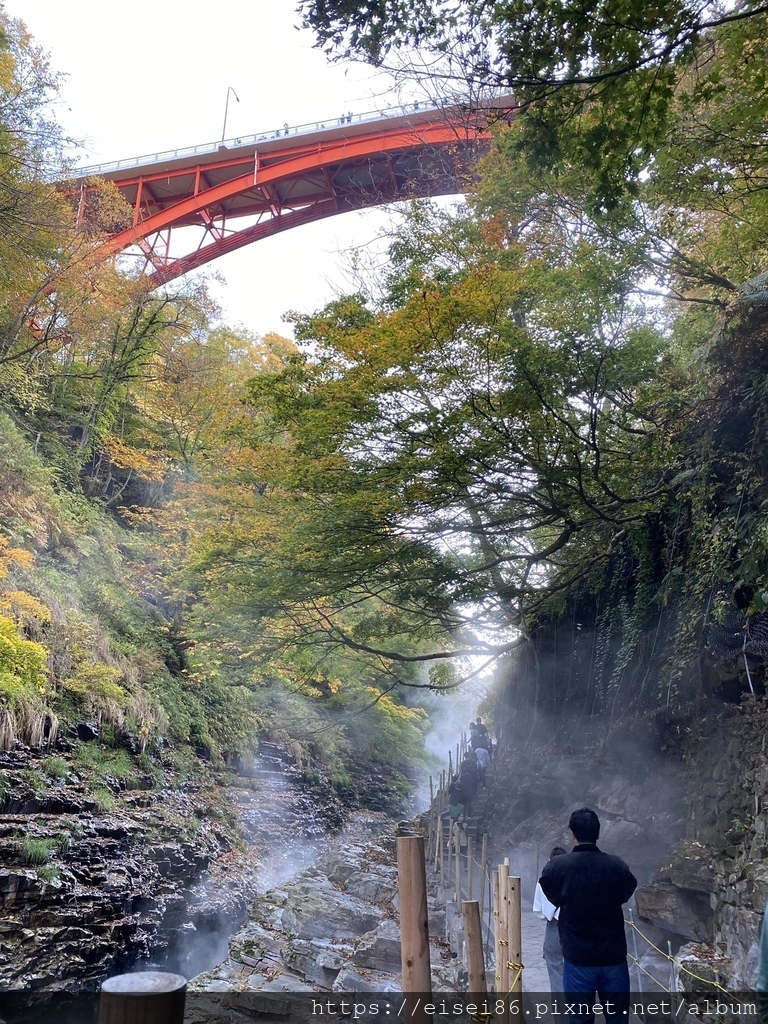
<point x="86" y="890"/>
<point x="710" y="893"/>
<point x="643" y="813"/>
<point x="729" y="825"/>
<point x="161" y="872"/>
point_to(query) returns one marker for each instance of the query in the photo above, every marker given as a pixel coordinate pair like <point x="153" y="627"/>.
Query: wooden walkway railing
<point x="472" y="885"/>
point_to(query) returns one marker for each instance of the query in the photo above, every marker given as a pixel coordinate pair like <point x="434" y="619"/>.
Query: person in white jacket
<point x="553" y="954"/>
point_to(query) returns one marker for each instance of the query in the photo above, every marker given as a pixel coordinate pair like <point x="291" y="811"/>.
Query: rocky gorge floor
<point x="155" y="879"/>
<point x="155" y="871"/>
<point x="331" y="929"/>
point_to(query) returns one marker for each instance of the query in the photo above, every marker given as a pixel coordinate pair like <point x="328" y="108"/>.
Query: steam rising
<point x="282" y="822"/>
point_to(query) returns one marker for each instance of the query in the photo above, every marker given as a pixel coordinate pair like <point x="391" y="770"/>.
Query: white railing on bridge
<point x="94" y="170"/>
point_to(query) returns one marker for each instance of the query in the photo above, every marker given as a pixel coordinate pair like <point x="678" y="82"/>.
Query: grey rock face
<point x="316" y="910"/>
<point x="380" y="949"/>
<point x="681" y="911"/>
<point x="333" y="926"/>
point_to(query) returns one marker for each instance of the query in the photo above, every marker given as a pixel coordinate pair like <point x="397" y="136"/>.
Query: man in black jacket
<point x="589" y="887"/>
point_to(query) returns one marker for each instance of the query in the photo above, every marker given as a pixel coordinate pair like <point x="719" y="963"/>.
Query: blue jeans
<point x="611" y="985"/>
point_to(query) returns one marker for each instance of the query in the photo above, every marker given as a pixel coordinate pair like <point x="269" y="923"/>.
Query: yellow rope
<point x="648" y="973"/>
<point x="682" y="967"/>
<point x="515" y="967"/>
<point x="485" y="1018"/>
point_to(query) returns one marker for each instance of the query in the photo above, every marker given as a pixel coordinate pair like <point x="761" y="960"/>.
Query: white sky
<point x="153" y="74"/>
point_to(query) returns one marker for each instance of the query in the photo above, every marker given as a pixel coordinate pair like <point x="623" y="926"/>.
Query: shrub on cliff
<point x="23" y="685"/>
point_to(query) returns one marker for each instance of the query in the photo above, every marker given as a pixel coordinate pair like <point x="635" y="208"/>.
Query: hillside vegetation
<point x="126" y="481"/>
<point x="536" y="440"/>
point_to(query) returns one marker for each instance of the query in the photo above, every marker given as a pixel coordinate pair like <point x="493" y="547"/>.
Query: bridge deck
<point x="244" y="189"/>
<point x="270" y="141"/>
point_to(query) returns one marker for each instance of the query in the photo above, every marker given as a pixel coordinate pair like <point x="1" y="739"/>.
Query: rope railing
<point x="714" y="983"/>
<point x="453" y="862"/>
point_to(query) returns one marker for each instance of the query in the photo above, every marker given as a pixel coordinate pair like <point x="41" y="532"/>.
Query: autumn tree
<point x="33" y="215"/>
<point x="598" y="85"/>
<point x="432" y="473"/>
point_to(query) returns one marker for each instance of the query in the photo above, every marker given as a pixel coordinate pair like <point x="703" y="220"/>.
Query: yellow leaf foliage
<point x="23" y="676"/>
<point x="10" y="556"/>
<point x="98" y="682"/>
<point x="24" y="607"/>
<point x="123" y="456"/>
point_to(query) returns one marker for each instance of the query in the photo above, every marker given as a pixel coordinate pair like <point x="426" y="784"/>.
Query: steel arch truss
<point x="187" y="212"/>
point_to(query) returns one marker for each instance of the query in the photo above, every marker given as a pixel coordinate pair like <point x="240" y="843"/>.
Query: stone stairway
<point x="474" y="822"/>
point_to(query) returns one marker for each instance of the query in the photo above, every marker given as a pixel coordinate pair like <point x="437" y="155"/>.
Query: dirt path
<point x="535" y="977"/>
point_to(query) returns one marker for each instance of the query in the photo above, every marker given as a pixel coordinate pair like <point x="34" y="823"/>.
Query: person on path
<point x="553" y="952"/>
<point x="590" y="887"/>
<point x="480" y="737"/>
<point x="469" y="779"/>
<point x="459" y="836"/>
<point x="483" y="759"/>
<point x="456" y="799"/>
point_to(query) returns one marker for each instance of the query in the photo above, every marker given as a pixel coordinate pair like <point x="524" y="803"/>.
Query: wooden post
<point x="433" y="818"/>
<point x="473" y="935"/>
<point x="497" y="947"/>
<point x="450" y="768"/>
<point x="503" y="971"/>
<point x="515" y="931"/>
<point x="457" y="839"/>
<point x="470" y="867"/>
<point x="147" y="997"/>
<point x="483" y="858"/>
<point x="442" y="852"/>
<point x="491" y="934"/>
<point x="414" y="928"/>
<point x="457" y="757"/>
<point x="439" y="840"/>
<point x="515" y="949"/>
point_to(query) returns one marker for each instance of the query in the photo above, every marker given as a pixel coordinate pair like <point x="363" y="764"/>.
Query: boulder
<point x="380" y="950"/>
<point x="378" y="885"/>
<point x="685" y="912"/>
<point x="316" y="910"/>
<point x="699" y="967"/>
<point x="692" y="868"/>
<point x="318" y="962"/>
<point x="352" y="980"/>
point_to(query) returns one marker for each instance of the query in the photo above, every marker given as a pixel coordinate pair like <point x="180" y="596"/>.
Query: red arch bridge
<point x="192" y="205"/>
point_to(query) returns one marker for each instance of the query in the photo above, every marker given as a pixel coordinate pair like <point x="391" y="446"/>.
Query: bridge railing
<point x="94" y="170"/>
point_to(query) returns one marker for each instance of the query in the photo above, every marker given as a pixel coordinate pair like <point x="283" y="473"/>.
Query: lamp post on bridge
<point x="226" y="109"/>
